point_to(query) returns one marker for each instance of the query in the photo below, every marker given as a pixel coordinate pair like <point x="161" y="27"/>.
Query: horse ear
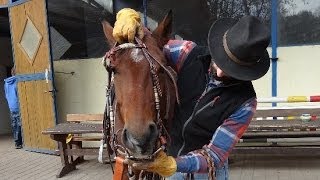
<point x="163" y="31"/>
<point x="108" y="29"/>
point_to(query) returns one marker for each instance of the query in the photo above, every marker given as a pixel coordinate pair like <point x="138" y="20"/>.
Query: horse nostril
<point x="152" y="127"/>
<point x="153" y="130"/>
<point x="127" y="139"/>
<point x="125" y="135"/>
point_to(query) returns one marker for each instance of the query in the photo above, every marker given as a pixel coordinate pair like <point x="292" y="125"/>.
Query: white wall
<point x="83" y="92"/>
<point x="298" y="70"/>
<point x="297" y="74"/>
<point x="263" y="85"/>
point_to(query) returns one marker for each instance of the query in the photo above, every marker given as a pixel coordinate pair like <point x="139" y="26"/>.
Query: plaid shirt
<point x="227" y="135"/>
<point x="177" y="51"/>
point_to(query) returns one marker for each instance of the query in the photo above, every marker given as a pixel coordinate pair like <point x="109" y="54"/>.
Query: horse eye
<point x="115" y="71"/>
<point x="120" y="52"/>
<point x="111" y="68"/>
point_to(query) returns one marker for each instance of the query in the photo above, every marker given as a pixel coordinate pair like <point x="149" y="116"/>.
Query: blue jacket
<point x="10" y="88"/>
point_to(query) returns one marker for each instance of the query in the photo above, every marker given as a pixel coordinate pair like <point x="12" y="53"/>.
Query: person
<point x="217" y="98"/>
<point x="11" y="92"/>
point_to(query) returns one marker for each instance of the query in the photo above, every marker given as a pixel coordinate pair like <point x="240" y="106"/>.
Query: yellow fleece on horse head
<point x="128" y="24"/>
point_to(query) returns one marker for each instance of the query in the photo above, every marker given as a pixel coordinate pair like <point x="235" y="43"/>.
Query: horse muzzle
<point x="140" y="142"/>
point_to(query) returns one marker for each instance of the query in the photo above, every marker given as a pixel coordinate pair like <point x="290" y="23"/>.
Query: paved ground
<point x="24" y="165"/>
<point x="275" y="168"/>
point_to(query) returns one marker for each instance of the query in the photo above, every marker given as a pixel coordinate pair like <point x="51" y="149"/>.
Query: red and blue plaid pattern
<point x="177" y="51"/>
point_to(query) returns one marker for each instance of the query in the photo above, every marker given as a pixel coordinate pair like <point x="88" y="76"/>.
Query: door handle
<point x="51" y="91"/>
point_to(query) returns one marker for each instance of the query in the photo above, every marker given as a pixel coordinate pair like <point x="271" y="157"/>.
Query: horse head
<point x="145" y="89"/>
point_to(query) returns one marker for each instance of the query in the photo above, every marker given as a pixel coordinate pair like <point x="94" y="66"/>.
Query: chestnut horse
<point x="145" y="93"/>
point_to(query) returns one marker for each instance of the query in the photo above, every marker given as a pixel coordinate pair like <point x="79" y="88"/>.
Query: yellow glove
<point x="127" y="26"/>
<point x="163" y="165"/>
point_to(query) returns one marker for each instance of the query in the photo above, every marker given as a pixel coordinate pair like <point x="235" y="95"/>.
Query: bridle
<point x="110" y="134"/>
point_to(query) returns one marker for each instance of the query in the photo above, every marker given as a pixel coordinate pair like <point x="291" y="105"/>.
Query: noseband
<point x="109" y="62"/>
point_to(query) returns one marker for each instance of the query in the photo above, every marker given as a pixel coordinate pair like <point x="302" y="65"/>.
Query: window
<point x="193" y="19"/>
<point x="298" y="22"/>
<point x="236" y="9"/>
<point x="75" y="28"/>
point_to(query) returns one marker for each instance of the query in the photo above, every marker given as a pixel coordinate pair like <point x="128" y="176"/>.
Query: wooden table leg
<point x="79" y="159"/>
<point x="67" y="166"/>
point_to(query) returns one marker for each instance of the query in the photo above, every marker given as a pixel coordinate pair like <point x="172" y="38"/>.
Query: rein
<point x="110" y="135"/>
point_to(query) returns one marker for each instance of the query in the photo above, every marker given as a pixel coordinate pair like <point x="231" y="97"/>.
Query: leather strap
<point x="210" y="162"/>
<point x="119" y="169"/>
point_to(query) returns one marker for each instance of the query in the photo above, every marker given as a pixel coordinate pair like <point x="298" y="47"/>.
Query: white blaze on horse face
<point x="136" y="56"/>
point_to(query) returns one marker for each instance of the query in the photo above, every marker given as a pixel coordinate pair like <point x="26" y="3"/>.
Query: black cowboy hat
<point x="239" y="47"/>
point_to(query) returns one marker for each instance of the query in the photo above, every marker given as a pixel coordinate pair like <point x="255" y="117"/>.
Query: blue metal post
<point x="145" y="9"/>
<point x="274" y="37"/>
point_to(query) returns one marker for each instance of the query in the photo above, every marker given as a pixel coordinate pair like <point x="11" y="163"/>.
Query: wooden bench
<point x="77" y="139"/>
<point x="82" y="127"/>
<point x="277" y="137"/>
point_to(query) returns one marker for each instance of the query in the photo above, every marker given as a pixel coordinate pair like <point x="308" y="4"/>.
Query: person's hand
<point x="127" y="26"/>
<point x="163" y="165"/>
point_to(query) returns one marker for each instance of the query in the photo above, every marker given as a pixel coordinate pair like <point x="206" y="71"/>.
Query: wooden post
<point x="67" y="166"/>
